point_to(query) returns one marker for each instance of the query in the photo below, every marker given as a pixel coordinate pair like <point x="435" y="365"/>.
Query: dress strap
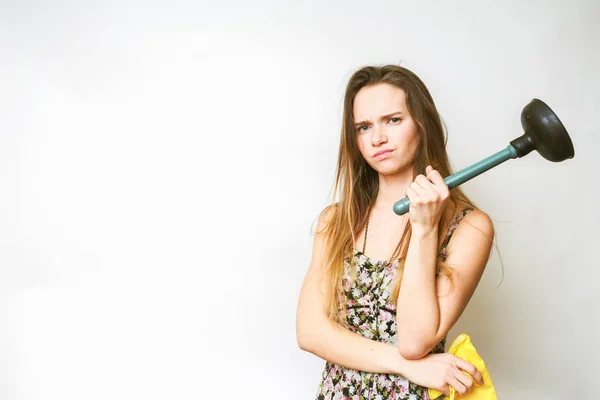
<point x="451" y="228"/>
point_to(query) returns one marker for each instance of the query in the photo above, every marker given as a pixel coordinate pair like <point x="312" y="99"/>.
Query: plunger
<point x="543" y="132"/>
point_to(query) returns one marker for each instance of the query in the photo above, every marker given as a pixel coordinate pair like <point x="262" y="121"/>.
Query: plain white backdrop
<point x="162" y="163"/>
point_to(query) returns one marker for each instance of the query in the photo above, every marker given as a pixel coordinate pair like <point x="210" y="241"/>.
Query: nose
<point x="378" y="137"/>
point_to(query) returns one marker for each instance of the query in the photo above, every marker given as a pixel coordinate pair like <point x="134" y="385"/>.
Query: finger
<point x="424" y="182"/>
<point x="424" y="187"/>
<point x="465" y="379"/>
<point x="446" y="390"/>
<point x="412" y="195"/>
<point x="470" y="368"/>
<point x="427" y="189"/>
<point x="417" y="189"/>
<point x="438" y="183"/>
<point x="455" y="383"/>
<point x="428" y="170"/>
<point x="436" y="178"/>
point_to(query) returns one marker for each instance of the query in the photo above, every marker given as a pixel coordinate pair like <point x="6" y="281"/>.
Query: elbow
<point x="310" y="335"/>
<point x="305" y="337"/>
<point x="304" y="343"/>
<point x="414" y="345"/>
<point x="413" y="350"/>
<point x="311" y="324"/>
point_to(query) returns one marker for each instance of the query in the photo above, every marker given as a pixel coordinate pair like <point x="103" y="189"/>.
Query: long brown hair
<point x="357" y="184"/>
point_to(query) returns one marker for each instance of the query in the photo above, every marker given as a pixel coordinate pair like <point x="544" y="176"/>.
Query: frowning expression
<point x="386" y="134"/>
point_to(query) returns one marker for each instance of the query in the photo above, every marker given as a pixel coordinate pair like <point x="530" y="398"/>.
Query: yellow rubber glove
<point x="463" y="348"/>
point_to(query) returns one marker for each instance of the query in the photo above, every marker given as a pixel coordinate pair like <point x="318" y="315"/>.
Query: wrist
<point x="424" y="231"/>
<point x="397" y="363"/>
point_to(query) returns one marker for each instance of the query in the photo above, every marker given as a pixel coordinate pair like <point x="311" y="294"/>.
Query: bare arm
<point x="318" y="334"/>
<point x="427" y="306"/>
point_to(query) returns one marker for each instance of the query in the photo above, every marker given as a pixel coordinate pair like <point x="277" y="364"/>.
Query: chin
<point x="391" y="170"/>
<point x="388" y="171"/>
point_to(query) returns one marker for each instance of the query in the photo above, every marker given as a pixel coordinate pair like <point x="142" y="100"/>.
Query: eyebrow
<point x="382" y="117"/>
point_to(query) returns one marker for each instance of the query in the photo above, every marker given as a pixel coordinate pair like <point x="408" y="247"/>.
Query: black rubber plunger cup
<point x="543" y="132"/>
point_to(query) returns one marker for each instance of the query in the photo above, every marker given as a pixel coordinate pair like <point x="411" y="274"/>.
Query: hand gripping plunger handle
<point x="401" y="207"/>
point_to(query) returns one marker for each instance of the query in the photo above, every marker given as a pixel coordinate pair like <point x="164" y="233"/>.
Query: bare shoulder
<point x="326" y="217"/>
<point x="323" y="224"/>
<point x="481" y="221"/>
<point x="472" y="240"/>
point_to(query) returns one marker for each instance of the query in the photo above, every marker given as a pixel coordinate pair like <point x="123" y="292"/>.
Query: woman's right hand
<point x="442" y="370"/>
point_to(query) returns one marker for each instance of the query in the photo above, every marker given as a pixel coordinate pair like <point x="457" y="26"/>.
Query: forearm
<point x="418" y="319"/>
<point x="332" y="342"/>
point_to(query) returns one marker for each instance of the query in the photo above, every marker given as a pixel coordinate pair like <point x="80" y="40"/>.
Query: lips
<point x="382" y="154"/>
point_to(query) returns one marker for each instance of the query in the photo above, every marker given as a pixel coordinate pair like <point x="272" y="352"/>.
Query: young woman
<point x="382" y="290"/>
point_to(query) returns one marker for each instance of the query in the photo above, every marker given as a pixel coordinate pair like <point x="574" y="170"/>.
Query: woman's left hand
<point x="428" y="196"/>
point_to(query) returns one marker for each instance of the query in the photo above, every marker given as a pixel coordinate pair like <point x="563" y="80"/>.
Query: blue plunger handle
<point x="401" y="207"/>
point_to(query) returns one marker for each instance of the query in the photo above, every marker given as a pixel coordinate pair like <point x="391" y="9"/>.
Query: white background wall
<point x="161" y="164"/>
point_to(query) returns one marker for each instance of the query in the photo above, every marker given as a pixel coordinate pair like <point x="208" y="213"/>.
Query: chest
<point x="368" y="287"/>
<point x="381" y="236"/>
<point x="369" y="283"/>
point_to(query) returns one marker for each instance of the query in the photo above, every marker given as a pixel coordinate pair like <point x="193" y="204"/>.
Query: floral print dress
<point x="370" y="313"/>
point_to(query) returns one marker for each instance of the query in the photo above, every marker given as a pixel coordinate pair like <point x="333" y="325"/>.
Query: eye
<point x="362" y="128"/>
<point x="394" y="120"/>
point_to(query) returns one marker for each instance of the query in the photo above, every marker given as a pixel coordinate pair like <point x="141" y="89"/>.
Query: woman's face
<point x="386" y="134"/>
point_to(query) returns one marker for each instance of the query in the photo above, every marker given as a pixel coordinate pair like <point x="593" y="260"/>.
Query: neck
<point x="392" y="188"/>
